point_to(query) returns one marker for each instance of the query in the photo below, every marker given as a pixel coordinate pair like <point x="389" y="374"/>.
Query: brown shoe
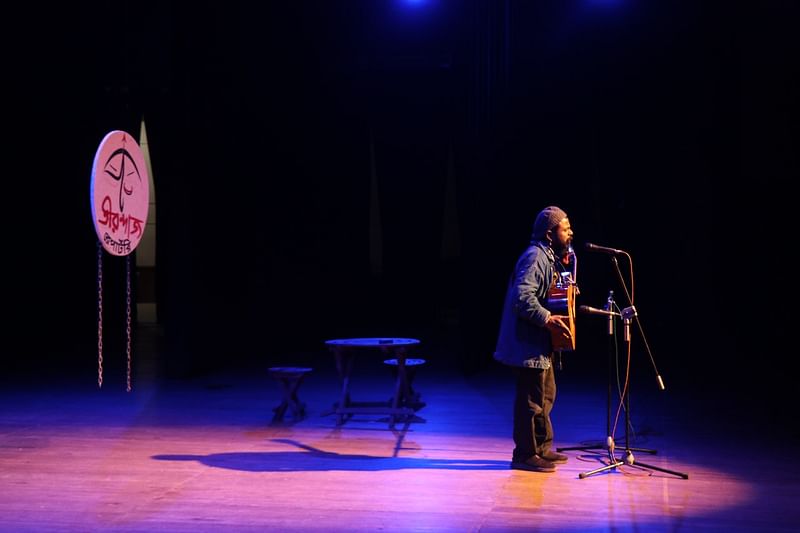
<point x="534" y="464"/>
<point x="555" y="457"/>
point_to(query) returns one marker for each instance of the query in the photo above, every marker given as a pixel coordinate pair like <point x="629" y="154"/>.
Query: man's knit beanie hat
<point x="547" y="219"/>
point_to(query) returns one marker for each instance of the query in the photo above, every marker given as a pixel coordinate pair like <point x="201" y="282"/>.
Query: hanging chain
<point x="128" y="317"/>
<point x="99" y="314"/>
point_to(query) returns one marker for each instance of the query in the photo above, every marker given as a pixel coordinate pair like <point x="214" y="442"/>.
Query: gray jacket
<point x="523" y="340"/>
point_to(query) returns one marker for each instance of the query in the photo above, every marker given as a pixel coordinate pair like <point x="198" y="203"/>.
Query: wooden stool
<point x="290" y="378"/>
<point x="409" y="397"/>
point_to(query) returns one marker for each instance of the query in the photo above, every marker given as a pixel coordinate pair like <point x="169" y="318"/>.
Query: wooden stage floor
<point x="201" y="454"/>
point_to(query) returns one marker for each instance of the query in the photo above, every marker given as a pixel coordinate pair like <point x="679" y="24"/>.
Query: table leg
<point x="344" y="365"/>
<point x="400" y="386"/>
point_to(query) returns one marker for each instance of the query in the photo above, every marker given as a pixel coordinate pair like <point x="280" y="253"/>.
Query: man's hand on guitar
<point x="558" y="327"/>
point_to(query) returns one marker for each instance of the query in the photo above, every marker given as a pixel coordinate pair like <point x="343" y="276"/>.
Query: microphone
<point x="595" y="311"/>
<point x="604" y="249"/>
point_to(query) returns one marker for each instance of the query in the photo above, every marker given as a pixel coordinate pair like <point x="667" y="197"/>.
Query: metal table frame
<point x="403" y="405"/>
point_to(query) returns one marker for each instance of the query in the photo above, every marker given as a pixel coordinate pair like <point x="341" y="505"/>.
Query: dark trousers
<point x="533" y="401"/>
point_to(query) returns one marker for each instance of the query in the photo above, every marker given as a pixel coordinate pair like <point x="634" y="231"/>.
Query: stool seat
<point x="282" y="370"/>
<point x="290" y="378"/>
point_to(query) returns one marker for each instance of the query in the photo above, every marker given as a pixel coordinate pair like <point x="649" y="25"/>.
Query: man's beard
<point x="560" y="249"/>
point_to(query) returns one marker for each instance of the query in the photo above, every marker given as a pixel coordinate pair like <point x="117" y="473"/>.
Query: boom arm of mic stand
<point x="638" y="323"/>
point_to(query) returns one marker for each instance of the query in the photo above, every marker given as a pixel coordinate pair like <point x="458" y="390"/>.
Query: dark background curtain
<point x="665" y="129"/>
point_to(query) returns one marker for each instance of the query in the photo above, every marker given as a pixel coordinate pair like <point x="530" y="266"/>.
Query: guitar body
<point x="561" y="301"/>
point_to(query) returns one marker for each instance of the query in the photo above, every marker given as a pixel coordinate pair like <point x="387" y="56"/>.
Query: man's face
<point x="561" y="235"/>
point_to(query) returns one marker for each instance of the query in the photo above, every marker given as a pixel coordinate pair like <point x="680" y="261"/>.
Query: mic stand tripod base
<point x="629" y="460"/>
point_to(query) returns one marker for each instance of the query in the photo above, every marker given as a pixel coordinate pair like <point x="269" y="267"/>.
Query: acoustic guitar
<point x="561" y="300"/>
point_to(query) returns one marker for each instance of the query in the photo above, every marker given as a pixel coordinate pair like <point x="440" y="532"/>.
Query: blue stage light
<point x="603" y="3"/>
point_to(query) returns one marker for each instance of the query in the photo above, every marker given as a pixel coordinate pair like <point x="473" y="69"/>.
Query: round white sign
<point x="120" y="193"/>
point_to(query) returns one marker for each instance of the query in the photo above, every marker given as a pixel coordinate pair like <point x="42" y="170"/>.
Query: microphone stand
<point x="638" y="323"/>
<point x="609" y="444"/>
<point x="628" y="314"/>
<point x="612" y="351"/>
